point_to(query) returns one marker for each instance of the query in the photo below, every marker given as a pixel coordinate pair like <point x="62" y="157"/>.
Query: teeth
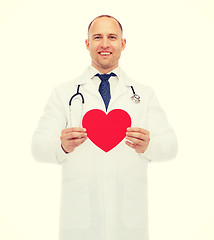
<point x="105" y="53"/>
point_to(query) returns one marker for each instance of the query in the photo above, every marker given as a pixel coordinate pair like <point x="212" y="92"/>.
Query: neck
<point x="104" y="70"/>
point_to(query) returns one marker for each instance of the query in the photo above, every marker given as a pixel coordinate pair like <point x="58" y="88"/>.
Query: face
<point x="105" y="44"/>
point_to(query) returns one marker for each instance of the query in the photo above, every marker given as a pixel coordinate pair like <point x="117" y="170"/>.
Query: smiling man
<point x="104" y="189"/>
<point x="105" y="43"/>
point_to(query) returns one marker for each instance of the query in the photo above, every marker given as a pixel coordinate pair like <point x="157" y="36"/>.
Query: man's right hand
<point x="72" y="138"/>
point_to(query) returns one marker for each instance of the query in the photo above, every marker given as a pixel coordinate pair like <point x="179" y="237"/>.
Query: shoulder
<point x="73" y="83"/>
<point x="69" y="86"/>
<point x="62" y="92"/>
<point x="66" y="85"/>
<point x="142" y="87"/>
<point x="138" y="86"/>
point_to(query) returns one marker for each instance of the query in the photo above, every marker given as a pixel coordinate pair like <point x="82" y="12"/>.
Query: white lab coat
<point x="104" y="195"/>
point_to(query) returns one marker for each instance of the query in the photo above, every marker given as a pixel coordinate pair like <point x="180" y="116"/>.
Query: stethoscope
<point x="135" y="98"/>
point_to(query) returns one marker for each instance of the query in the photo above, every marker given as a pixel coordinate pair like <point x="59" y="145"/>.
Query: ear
<point x="123" y="43"/>
<point x="87" y="43"/>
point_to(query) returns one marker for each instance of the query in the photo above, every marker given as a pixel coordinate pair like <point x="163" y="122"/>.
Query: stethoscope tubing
<point x="135" y="97"/>
<point x="76" y="94"/>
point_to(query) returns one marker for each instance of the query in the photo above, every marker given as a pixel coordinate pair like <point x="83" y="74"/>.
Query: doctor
<point x="104" y="193"/>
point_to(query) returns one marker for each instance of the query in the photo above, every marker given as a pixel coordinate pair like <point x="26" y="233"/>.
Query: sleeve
<point x="163" y="142"/>
<point x="46" y="143"/>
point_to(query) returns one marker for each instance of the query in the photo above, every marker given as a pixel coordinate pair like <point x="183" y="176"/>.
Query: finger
<point x="78" y="129"/>
<point x="137" y="135"/>
<point x="135" y="141"/>
<point x="69" y="136"/>
<point x="71" y="145"/>
<point x="75" y="135"/>
<point x="73" y="129"/>
<point x="131" y="145"/>
<point x="141" y="137"/>
<point x="76" y="142"/>
<point x="137" y="129"/>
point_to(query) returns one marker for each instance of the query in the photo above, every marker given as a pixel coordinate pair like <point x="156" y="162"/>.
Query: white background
<point x="170" y="47"/>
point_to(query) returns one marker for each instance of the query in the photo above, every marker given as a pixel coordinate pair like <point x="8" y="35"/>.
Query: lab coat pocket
<point x="75" y="211"/>
<point x="135" y="205"/>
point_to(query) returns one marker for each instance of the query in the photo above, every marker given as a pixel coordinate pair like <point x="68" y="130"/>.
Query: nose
<point x="105" y="42"/>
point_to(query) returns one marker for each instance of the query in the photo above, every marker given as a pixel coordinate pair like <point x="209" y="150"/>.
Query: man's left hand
<point x="139" y="137"/>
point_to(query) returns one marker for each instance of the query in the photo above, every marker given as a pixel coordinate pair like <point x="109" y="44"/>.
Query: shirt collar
<point x="93" y="71"/>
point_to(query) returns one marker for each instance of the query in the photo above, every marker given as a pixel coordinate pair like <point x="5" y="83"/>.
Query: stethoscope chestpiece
<point x="135" y="98"/>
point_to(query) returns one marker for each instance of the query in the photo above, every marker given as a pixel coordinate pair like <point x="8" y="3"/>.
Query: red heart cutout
<point x="106" y="131"/>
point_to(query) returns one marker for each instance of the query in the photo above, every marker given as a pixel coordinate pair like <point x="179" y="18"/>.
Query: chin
<point x="106" y="66"/>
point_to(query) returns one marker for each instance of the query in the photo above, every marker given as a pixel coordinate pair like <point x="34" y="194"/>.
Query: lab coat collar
<point x="122" y="87"/>
<point x="91" y="71"/>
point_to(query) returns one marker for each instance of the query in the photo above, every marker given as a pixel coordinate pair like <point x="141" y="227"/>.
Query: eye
<point x="112" y="37"/>
<point x="97" y="37"/>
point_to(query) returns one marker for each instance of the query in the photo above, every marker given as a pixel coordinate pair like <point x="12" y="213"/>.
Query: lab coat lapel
<point x="122" y="87"/>
<point x="87" y="84"/>
<point x="91" y="88"/>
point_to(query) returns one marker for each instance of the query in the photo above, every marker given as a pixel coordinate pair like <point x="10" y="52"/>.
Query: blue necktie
<point x="104" y="87"/>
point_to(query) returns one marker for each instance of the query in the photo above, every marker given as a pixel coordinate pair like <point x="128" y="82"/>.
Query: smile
<point x="105" y="53"/>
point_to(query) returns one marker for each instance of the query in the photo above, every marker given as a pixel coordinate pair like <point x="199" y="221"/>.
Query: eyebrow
<point x="99" y="34"/>
<point x="96" y="35"/>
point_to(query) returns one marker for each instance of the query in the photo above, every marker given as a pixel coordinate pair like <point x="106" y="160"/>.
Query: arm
<point x="50" y="143"/>
<point x="158" y="142"/>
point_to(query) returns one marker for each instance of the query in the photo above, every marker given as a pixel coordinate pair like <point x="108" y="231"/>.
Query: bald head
<point x="105" y="16"/>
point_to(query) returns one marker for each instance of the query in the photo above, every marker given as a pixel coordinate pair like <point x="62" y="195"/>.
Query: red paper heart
<point x="106" y="131"/>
